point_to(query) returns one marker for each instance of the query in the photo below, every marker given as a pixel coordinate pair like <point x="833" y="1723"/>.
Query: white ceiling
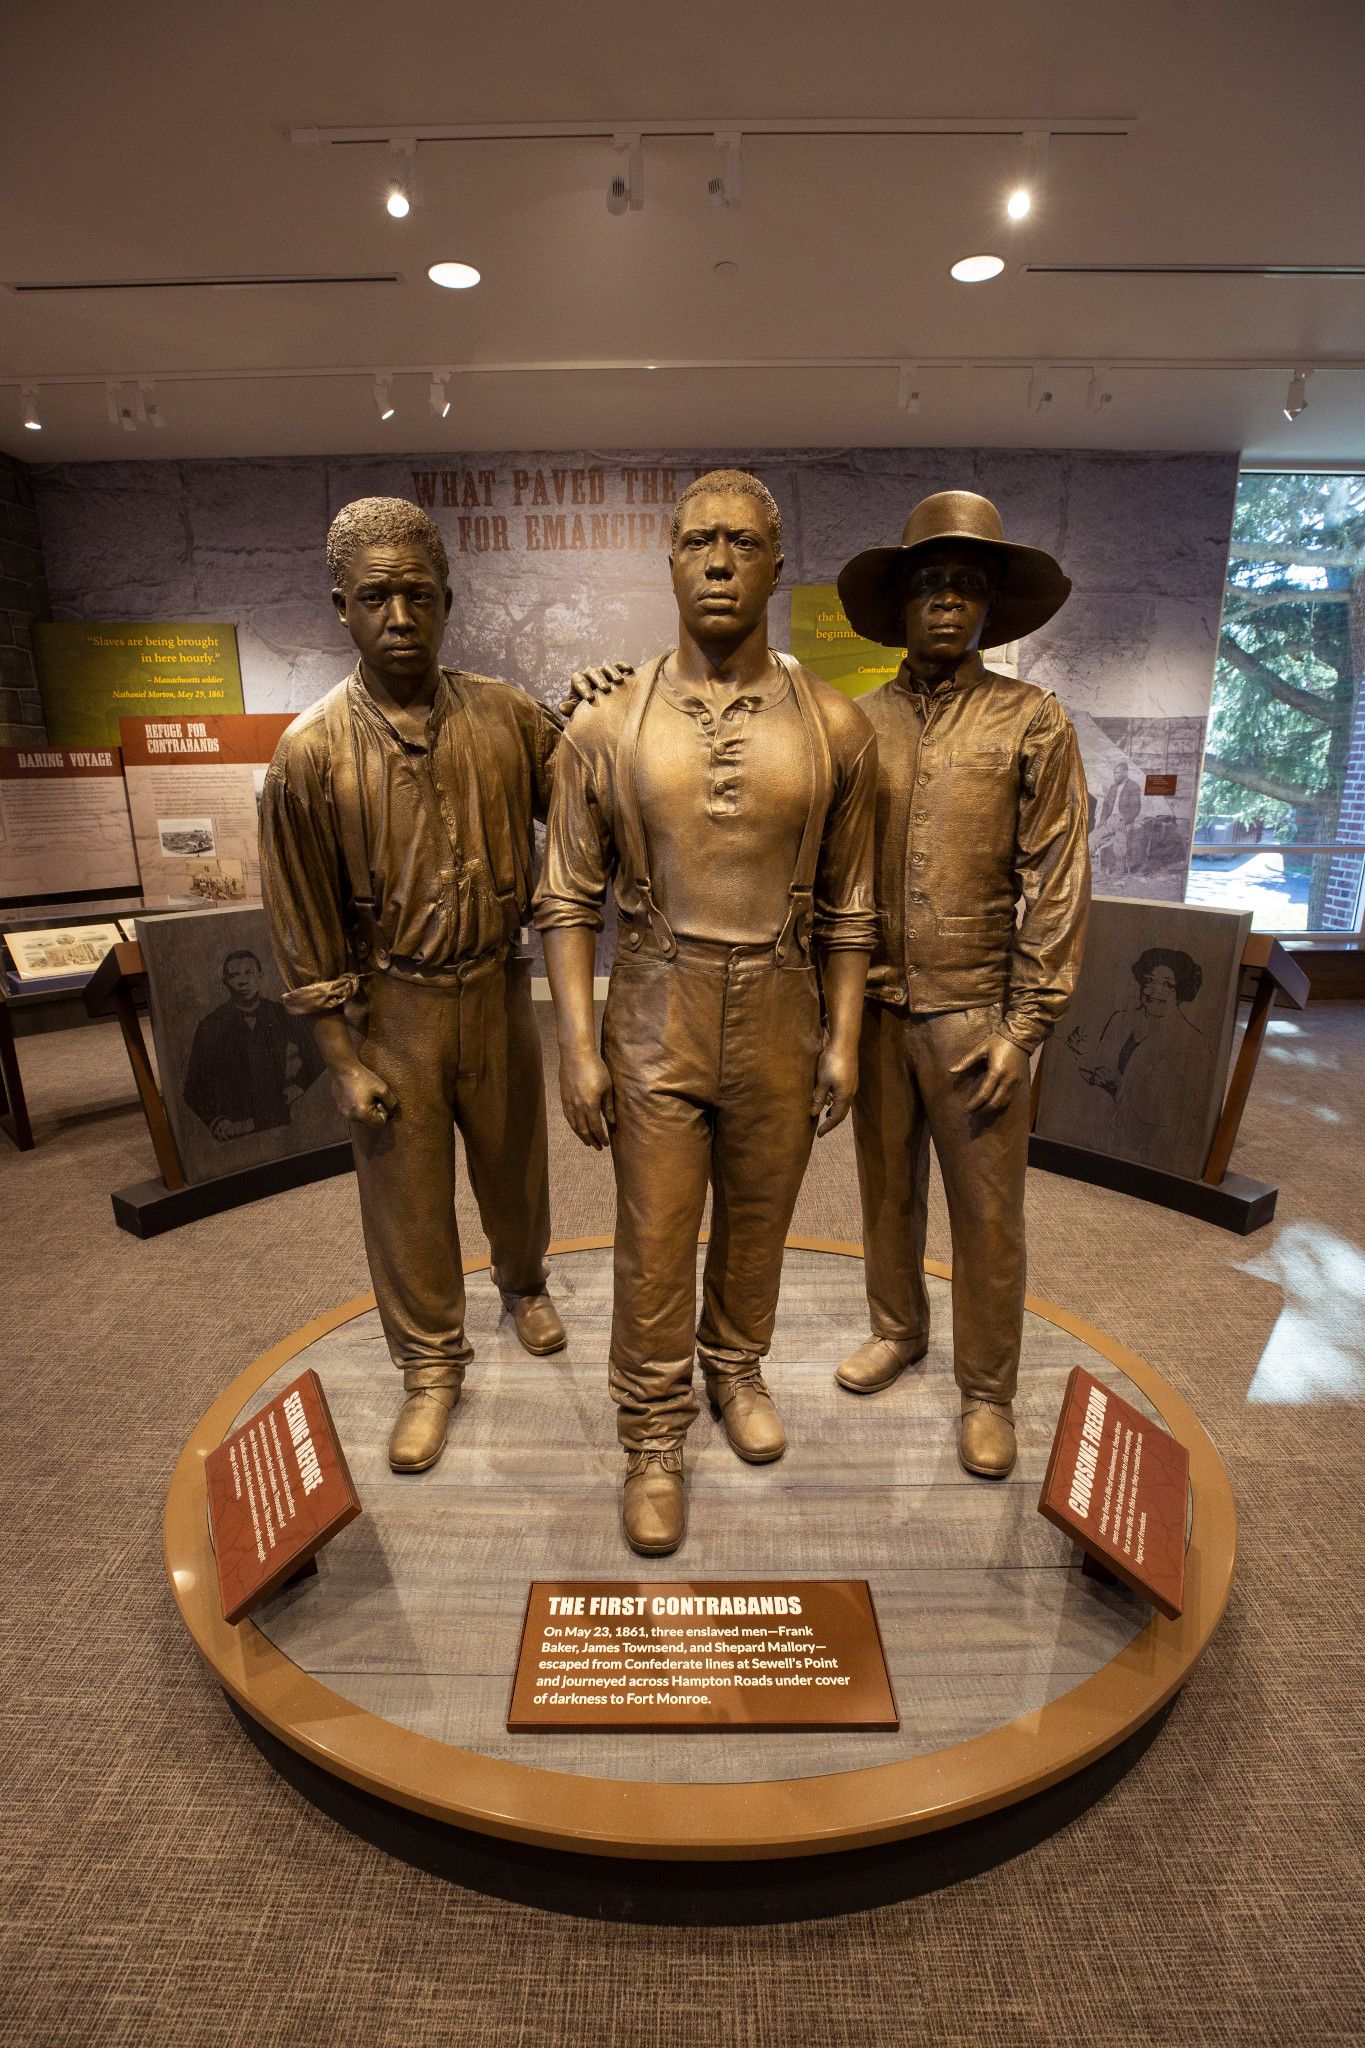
<point x="152" y="140"/>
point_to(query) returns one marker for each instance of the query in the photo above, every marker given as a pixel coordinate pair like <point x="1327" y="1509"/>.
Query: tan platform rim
<point x="772" y="1818"/>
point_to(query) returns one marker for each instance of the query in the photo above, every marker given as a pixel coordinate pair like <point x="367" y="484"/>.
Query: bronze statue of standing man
<point x="397" y="850"/>
<point x="729" y="796"/>
<point x="983" y="888"/>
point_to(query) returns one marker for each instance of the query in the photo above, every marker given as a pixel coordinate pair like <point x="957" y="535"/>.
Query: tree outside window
<point x="1285" y="760"/>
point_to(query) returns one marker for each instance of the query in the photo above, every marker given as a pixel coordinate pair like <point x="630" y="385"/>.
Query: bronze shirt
<point x="981" y="802"/>
<point x="449" y="831"/>
<point x="724" y="783"/>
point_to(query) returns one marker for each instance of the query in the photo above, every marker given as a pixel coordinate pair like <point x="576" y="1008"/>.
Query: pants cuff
<point x="728" y="1365"/>
<point x="975" y="1389"/>
<point x="534" y="1281"/>
<point x="654" y="1440"/>
<point x="897" y="1335"/>
<point x="415" y="1377"/>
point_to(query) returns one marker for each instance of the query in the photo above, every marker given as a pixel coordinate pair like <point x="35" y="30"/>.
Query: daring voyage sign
<point x="278" y="1490"/>
<point x="1118" y="1483"/>
<point x="723" y="1653"/>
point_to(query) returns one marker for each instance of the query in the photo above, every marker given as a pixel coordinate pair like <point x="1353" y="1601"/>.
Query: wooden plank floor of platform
<point x="392" y="1668"/>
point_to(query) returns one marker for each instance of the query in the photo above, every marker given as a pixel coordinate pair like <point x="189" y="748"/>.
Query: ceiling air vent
<point x="204" y="284"/>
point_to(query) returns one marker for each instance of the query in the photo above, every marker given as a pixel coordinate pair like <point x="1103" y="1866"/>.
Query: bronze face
<point x="725" y="569"/>
<point x="394" y="603"/>
<point x="947" y="593"/>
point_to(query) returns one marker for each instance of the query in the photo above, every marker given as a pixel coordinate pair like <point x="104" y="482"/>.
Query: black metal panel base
<point x="1236" y="1204"/>
<point x="686" y="1894"/>
<point x="147" y="1208"/>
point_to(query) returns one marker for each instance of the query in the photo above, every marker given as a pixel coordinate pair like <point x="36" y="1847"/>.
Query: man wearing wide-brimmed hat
<point x="981" y="803"/>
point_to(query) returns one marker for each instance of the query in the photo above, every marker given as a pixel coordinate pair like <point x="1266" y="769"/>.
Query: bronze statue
<point x="981" y="801"/>
<point x="396" y="854"/>
<point x="729" y="794"/>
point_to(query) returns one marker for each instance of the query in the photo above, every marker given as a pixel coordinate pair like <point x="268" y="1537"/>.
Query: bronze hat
<point x="1032" y="589"/>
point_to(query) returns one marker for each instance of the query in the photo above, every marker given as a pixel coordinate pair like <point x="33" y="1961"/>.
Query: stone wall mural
<point x="557" y="559"/>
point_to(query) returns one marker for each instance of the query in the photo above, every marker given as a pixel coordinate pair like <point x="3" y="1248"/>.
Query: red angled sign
<point x="1119" y="1484"/>
<point x="278" y="1490"/>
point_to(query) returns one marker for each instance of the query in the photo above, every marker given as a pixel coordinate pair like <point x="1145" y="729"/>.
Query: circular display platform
<point x="392" y="1669"/>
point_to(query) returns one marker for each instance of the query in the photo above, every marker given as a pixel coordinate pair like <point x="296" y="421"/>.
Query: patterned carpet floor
<point x="160" y="1883"/>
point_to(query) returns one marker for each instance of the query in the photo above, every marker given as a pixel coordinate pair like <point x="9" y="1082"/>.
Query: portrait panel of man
<point x="241" y="1078"/>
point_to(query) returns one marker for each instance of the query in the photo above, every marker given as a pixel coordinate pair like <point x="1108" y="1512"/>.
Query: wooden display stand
<point x="148" y="1207"/>
<point x="42" y="1006"/>
<point x="1230" y="1200"/>
<point x="13" y="1108"/>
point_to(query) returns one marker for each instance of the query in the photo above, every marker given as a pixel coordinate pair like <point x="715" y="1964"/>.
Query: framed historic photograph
<point x="242" y="1080"/>
<point x="1138" y="1067"/>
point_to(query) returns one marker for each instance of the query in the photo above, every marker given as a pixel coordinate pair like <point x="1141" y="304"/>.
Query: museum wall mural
<point x="558" y="559"/>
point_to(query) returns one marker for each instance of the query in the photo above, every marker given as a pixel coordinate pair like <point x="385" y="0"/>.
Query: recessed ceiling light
<point x="29" y="398"/>
<point x="398" y="205"/>
<point x="976" y="269"/>
<point x="727" y="269"/>
<point x="1020" y="203"/>
<point x="456" y="277"/>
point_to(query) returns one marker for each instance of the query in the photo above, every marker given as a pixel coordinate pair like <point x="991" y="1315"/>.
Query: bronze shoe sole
<point x="541" y="1350"/>
<point x="987" y="1471"/>
<point x="425" y="1465"/>
<point x="875" y="1386"/>
<point x="749" y="1457"/>
<point x="652" y="1549"/>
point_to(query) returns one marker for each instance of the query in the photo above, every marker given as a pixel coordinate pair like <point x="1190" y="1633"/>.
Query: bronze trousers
<point x="906" y="1096"/>
<point x="467" y="1058"/>
<point x="712" y="1056"/>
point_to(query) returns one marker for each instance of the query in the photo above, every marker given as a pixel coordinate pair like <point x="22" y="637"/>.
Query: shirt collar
<point x="758" y="696"/>
<point x="971" y="671"/>
<point x="440" y="706"/>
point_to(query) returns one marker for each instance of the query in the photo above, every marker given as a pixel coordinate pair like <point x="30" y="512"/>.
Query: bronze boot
<point x="419" y="1434"/>
<point x="653" y="1509"/>
<point x="876" y="1363"/>
<point x="744" y="1408"/>
<point x="537" y="1323"/>
<point x="985" y="1441"/>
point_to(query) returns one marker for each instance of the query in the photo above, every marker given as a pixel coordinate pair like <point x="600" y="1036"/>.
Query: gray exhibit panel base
<point x="1236" y="1203"/>
<point x="148" y="1207"/>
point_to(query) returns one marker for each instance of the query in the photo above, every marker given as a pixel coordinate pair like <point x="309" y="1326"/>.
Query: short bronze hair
<point x="366" y="522"/>
<point x="718" y="481"/>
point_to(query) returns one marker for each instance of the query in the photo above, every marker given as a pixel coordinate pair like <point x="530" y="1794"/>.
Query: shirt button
<point x="923" y="779"/>
<point x="921" y="818"/>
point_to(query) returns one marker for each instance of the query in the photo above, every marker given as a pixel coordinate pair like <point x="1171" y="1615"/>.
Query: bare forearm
<point x="570" y="955"/>
<point x="333" y="1040"/>
<point x="843" y="975"/>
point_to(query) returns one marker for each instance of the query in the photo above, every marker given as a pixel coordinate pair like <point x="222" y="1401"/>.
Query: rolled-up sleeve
<point x="845" y="916"/>
<point x="580" y="853"/>
<point x="1054" y="878"/>
<point x="301" y="889"/>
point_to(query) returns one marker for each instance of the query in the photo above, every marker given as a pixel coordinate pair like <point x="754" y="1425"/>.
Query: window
<point x="1280" y="829"/>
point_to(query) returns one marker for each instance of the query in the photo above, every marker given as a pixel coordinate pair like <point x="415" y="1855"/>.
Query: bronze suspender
<point x="350" y="823"/>
<point x="801" y="913"/>
<point x="634" y="846"/>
